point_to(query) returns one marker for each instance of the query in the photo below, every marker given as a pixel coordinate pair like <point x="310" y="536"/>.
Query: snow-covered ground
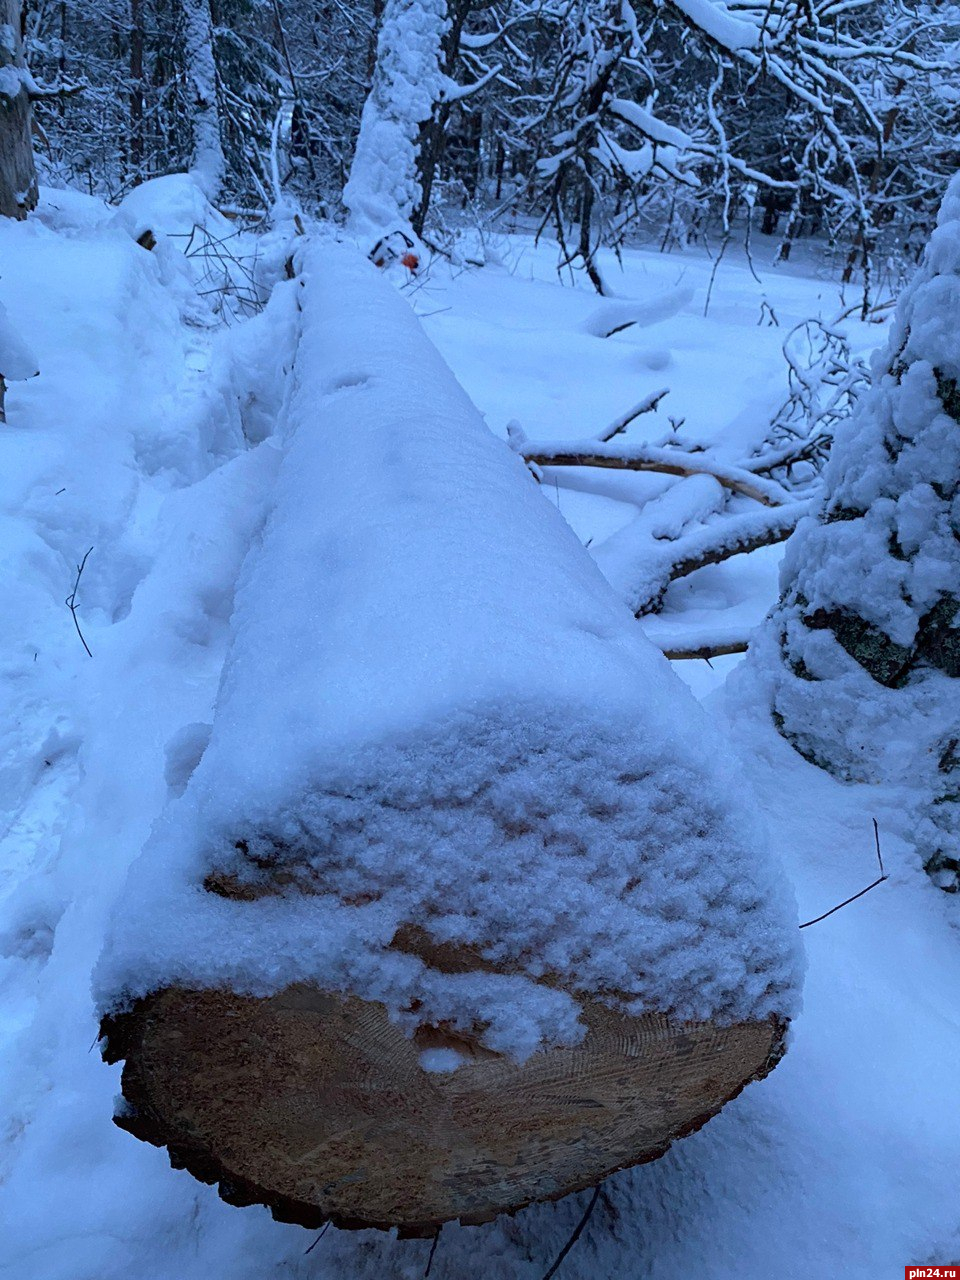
<point x="144" y="438"/>
<point x="523" y="349"/>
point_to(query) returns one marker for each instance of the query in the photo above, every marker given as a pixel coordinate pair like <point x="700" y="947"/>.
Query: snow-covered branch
<point x="622" y="456"/>
<point x="642" y="568"/>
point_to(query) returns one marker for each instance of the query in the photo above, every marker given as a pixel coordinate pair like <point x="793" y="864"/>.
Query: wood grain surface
<point x="318" y="1106"/>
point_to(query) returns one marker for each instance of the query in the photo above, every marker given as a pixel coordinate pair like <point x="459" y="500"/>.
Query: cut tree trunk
<point x="455" y="913"/>
<point x="18" y="176"/>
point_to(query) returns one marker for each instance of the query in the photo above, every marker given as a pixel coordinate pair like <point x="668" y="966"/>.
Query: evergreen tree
<point x="862" y="654"/>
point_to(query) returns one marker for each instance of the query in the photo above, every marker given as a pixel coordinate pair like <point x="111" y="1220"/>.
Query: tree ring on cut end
<point x="319" y="1107"/>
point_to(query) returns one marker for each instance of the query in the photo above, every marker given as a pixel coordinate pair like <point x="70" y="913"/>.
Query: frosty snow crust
<point x="436" y="713"/>
<point x="579" y="855"/>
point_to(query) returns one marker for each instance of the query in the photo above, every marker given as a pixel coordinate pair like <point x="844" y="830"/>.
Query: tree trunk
<point x="18" y="176"/>
<point x="207" y="161"/>
<point x="135" y="153"/>
<point x="385" y="187"/>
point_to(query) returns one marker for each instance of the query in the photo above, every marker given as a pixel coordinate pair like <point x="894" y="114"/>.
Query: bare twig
<point x="577" y="1232"/>
<point x="323" y="1232"/>
<point x="433" y="1250"/>
<point x="879" y="880"/>
<point x="71" y="602"/>
<point x="713" y="273"/>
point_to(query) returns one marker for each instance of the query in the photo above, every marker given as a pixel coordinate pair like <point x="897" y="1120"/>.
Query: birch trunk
<point x="386" y="183"/>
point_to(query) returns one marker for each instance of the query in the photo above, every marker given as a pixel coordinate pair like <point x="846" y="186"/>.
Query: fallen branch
<point x="642" y="457"/>
<point x="707" y="651"/>
<point x="734" y="536"/>
<point x="641" y="567"/>
<point x="815" y="450"/>
<point x="680" y="638"/>
<point x="648" y="404"/>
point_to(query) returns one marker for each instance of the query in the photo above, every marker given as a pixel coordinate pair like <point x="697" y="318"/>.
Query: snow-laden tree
<point x="384" y="187"/>
<point x="720" y="99"/>
<point x="207" y="160"/>
<point x="18" y="178"/>
<point x="862" y="653"/>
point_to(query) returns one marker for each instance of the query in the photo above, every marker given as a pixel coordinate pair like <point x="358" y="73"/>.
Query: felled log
<point x="457" y="912"/>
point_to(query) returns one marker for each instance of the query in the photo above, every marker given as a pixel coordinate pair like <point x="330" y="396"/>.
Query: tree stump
<point x="318" y="1106"/>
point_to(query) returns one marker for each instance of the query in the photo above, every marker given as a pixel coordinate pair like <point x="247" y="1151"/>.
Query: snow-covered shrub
<point x="825" y="381"/>
<point x="863" y="651"/>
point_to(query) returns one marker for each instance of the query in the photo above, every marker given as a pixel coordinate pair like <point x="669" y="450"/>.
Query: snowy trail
<point x="844" y="1158"/>
<point x="122" y="472"/>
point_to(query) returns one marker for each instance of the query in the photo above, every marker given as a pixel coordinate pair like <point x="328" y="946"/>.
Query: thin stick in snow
<point x="323" y="1232"/>
<point x="433" y="1250"/>
<point x="879" y="880"/>
<point x="577" y="1232"/>
<point x="71" y="601"/>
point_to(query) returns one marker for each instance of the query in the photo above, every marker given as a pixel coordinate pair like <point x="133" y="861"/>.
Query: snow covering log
<point x="618" y="314"/>
<point x="18" y="177"/>
<point x="457" y="911"/>
<point x="861" y="658"/>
